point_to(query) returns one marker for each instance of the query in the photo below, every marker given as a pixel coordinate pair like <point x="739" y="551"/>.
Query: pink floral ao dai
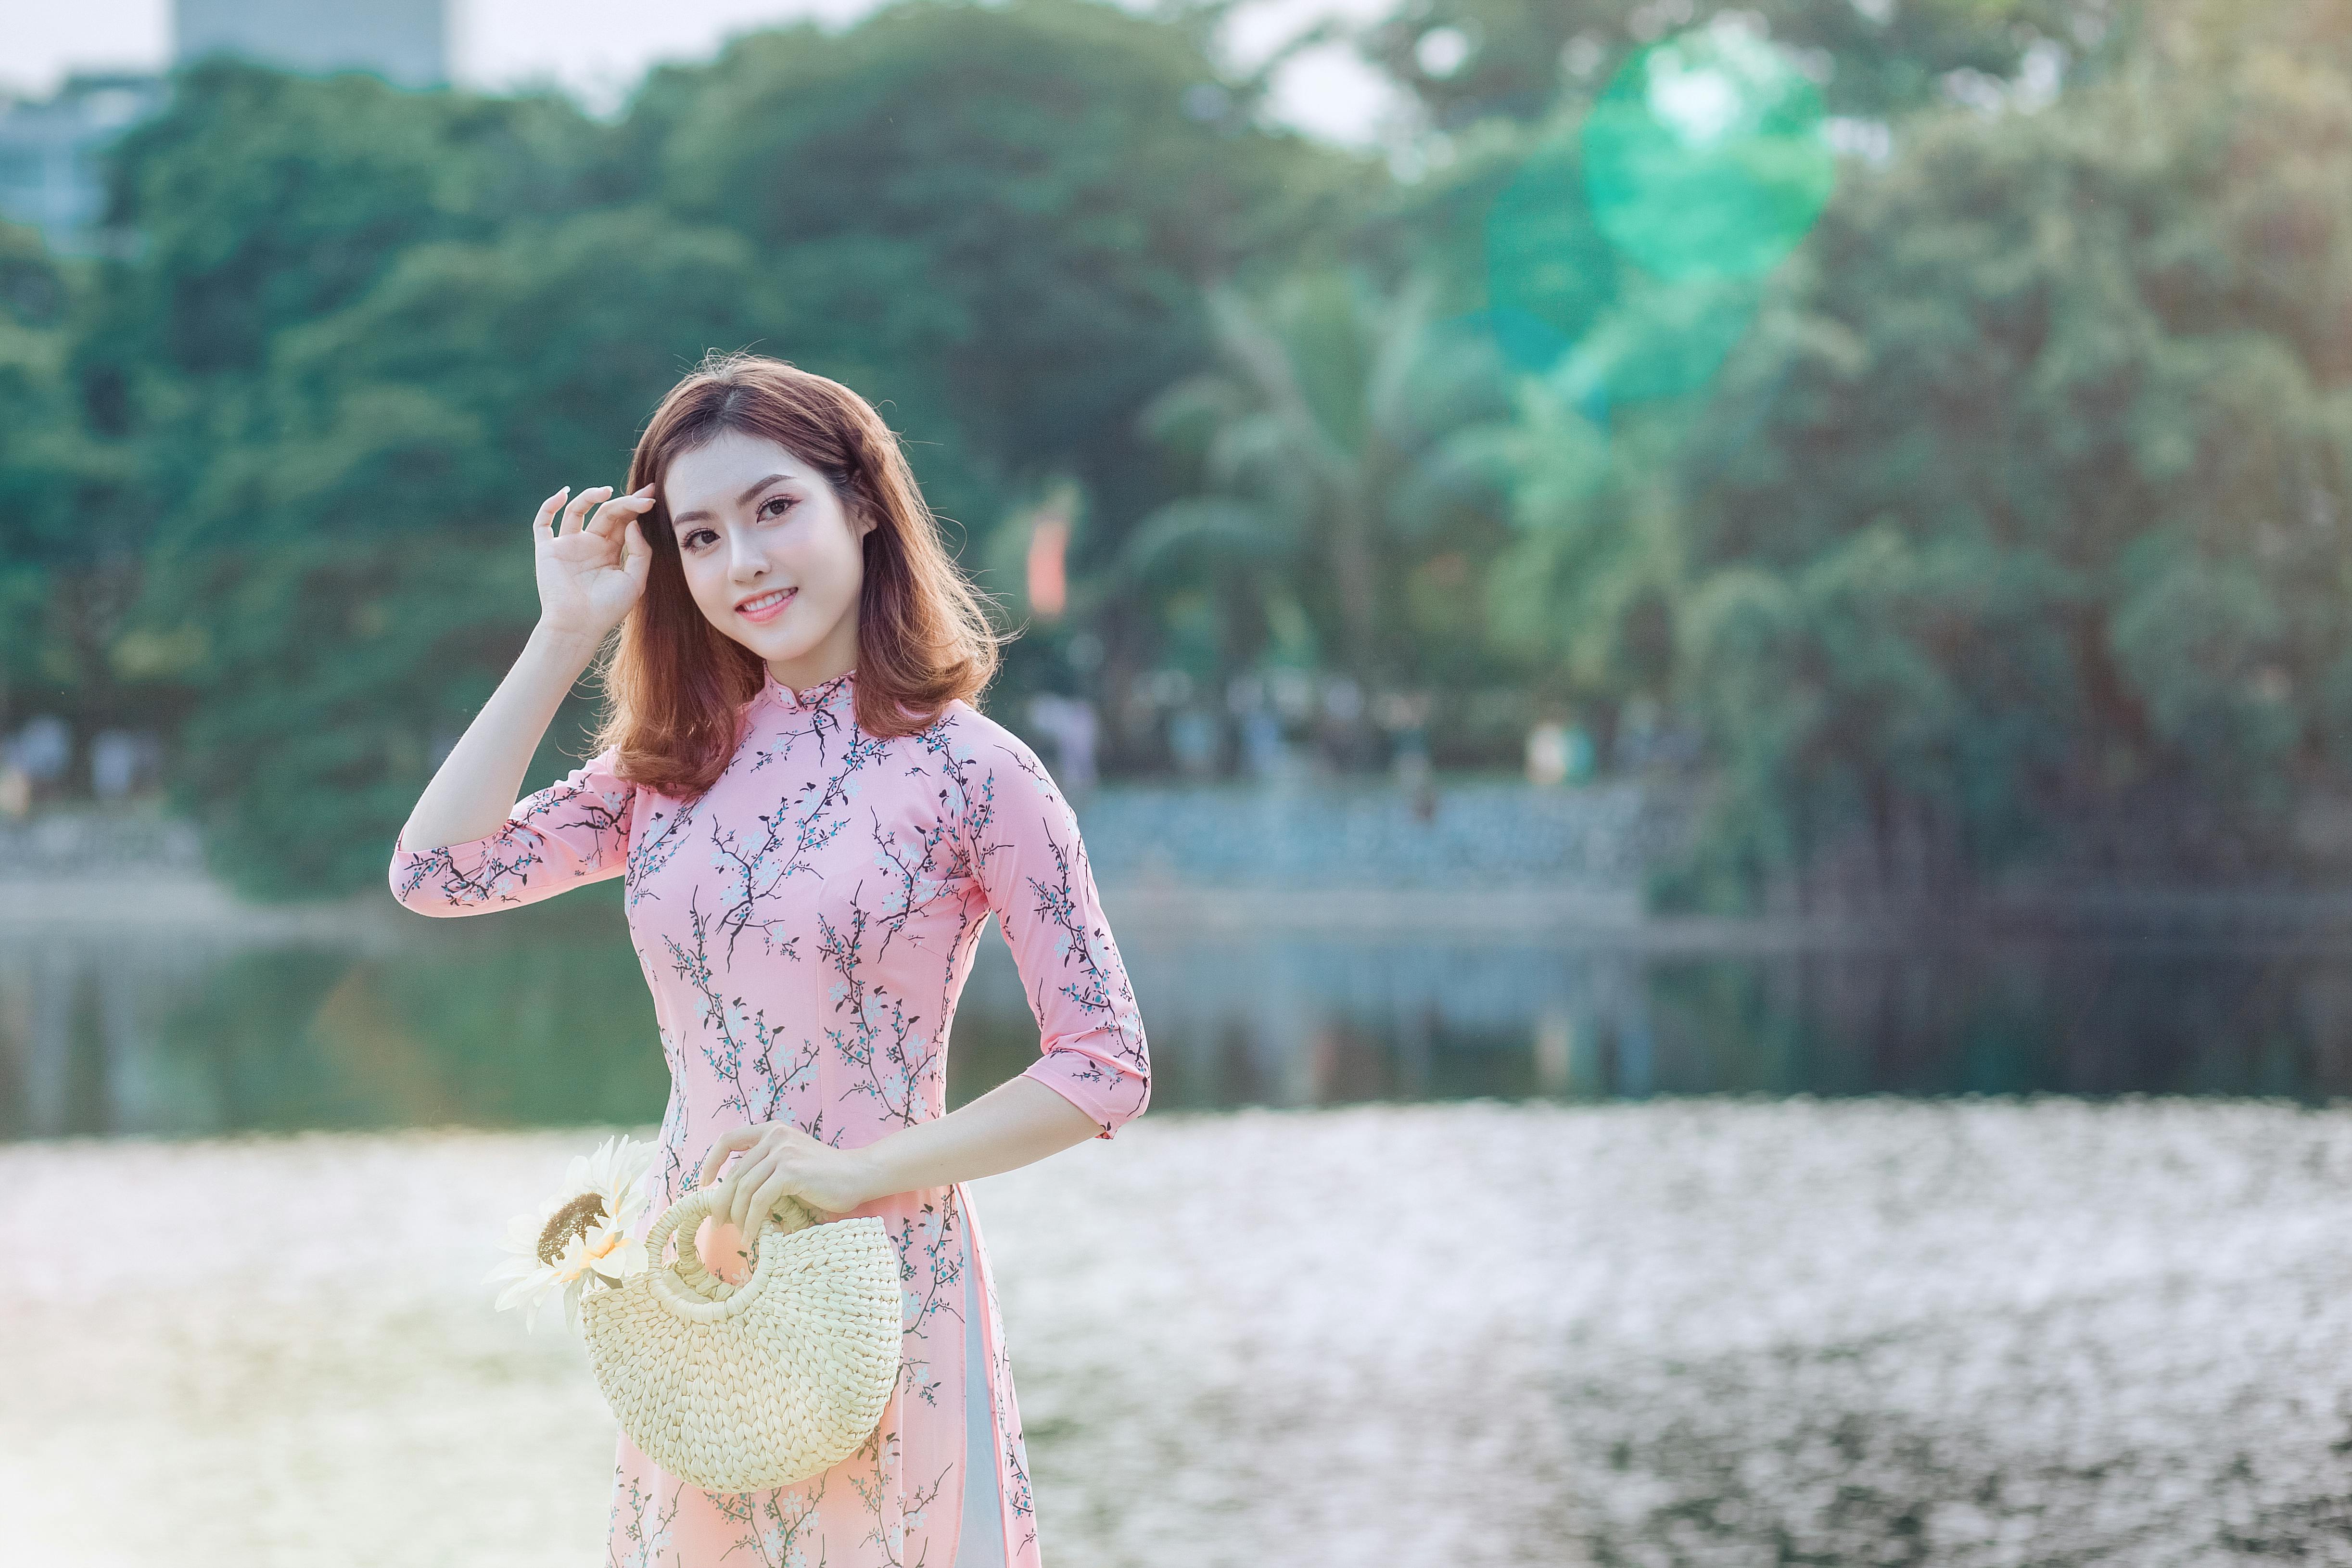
<point x="807" y="927"/>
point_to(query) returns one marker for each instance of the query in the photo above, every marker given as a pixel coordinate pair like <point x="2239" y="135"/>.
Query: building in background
<point x="50" y="174"/>
<point x="404" y="41"/>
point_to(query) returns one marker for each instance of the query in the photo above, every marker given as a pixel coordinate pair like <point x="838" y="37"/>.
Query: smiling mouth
<point x="766" y="606"/>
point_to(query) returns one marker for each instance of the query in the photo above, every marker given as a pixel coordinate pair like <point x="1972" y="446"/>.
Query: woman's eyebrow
<point x="743" y="500"/>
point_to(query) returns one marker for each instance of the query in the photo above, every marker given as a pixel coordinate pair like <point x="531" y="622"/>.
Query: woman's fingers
<point x="772" y="1192"/>
<point x="640" y="556"/>
<point x="541" y="526"/>
<point x="731" y="1203"/>
<point x="742" y="1181"/>
<point x="611" y="516"/>
<point x="760" y="1193"/>
<point x="725" y="1144"/>
<point x="764" y="1178"/>
<point x="717" y="1157"/>
<point x="575" y="516"/>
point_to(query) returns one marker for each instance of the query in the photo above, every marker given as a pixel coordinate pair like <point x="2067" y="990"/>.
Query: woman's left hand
<point x="780" y="1161"/>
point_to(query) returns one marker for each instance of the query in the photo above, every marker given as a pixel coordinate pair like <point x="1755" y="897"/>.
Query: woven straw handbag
<point x="738" y="1388"/>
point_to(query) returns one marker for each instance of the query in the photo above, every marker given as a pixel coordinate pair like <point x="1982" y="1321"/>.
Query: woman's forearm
<point x="1018" y="1122"/>
<point x="476" y="786"/>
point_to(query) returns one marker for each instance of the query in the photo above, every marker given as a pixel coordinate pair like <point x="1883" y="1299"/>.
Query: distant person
<point x="1548" y="758"/>
<point x="811" y="823"/>
<point x="1071" y="724"/>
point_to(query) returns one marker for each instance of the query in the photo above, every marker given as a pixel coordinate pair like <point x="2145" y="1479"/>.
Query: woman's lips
<point x="768" y="607"/>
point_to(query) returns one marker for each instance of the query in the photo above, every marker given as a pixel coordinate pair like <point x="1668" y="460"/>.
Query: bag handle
<point x="790" y="1214"/>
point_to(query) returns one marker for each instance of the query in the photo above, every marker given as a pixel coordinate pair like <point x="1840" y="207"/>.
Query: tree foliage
<point x="365" y="330"/>
<point x="2020" y="517"/>
<point x="2002" y="524"/>
<point x="1339" y="441"/>
<point x="1471" y="59"/>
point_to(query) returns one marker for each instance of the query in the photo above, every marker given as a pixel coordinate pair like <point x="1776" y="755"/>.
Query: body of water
<point x="541" y="1016"/>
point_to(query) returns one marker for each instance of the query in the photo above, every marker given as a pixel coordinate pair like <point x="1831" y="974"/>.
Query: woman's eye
<point x="781" y="503"/>
<point x="693" y="540"/>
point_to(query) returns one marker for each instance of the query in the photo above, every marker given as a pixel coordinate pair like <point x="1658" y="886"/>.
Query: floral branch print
<point x="763" y="755"/>
<point x="1029" y="766"/>
<point x="1057" y="903"/>
<point x="583" y="823"/>
<point x="823" y="721"/>
<point x="777" y="1517"/>
<point x="972" y="807"/>
<point x="628" y="1495"/>
<point x="673" y="1128"/>
<point x="508" y="855"/>
<point x="1016" y="1457"/>
<point x="934" y="1236"/>
<point x="656" y="851"/>
<point x="917" y="875"/>
<point x="878" y="1041"/>
<point x="1011" y="1436"/>
<point x="889" y="1530"/>
<point x="755" y="874"/>
<point x="1101" y="991"/>
<point x="601" y="812"/>
<point x="729" y="1023"/>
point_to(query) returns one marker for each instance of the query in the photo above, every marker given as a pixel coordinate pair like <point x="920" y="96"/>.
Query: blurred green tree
<point x="66" y="580"/>
<point x="1339" y="440"/>
<point x="2004" y="521"/>
<point x="365" y="331"/>
<point x="2017" y="528"/>
<point x="278" y="504"/>
<point x="362" y="578"/>
<point x="1467" y="61"/>
<point x="1024" y="202"/>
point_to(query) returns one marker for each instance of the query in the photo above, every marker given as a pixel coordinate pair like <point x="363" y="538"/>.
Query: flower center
<point x="572" y="1220"/>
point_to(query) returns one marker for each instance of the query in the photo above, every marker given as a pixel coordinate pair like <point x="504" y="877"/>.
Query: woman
<point x="812" y="823"/>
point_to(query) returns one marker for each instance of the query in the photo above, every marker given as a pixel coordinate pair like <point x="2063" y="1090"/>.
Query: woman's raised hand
<point x="591" y="569"/>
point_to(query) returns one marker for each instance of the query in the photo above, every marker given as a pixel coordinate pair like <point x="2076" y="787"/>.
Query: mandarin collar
<point x="823" y="694"/>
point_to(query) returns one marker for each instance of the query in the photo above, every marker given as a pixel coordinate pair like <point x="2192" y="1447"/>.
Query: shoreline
<point x="1612" y="919"/>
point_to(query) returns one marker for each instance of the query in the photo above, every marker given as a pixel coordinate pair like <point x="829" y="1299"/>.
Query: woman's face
<point x="770" y="554"/>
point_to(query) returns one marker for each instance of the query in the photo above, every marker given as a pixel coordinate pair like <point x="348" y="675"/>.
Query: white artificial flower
<point x="582" y="1237"/>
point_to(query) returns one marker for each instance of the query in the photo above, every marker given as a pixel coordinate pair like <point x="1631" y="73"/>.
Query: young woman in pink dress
<point x="812" y="823"/>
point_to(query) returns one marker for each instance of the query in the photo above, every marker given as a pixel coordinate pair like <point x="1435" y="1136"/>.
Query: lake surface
<point x="541" y="1016"/>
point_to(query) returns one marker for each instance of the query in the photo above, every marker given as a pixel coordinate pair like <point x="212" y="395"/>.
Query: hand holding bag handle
<point x="745" y="1387"/>
<point x="685" y="1217"/>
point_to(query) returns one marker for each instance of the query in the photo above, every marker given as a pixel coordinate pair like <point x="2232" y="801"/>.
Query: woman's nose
<point x="749" y="561"/>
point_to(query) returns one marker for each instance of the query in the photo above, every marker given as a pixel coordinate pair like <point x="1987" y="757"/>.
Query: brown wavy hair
<point x="676" y="687"/>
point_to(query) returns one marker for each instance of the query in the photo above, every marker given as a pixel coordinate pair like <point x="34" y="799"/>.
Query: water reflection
<point x="541" y="1016"/>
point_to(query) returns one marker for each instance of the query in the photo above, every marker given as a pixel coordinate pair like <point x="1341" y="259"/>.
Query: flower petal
<point x="512" y="1269"/>
<point x="530" y="1288"/>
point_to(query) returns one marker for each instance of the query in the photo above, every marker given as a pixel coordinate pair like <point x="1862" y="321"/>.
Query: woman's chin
<point x="774" y="642"/>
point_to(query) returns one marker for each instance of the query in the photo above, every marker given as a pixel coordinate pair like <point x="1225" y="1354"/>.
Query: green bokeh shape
<point x="1551" y="272"/>
<point x="1704" y="157"/>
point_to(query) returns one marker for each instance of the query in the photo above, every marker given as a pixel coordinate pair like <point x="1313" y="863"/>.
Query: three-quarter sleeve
<point x="575" y="831"/>
<point x="1027" y="857"/>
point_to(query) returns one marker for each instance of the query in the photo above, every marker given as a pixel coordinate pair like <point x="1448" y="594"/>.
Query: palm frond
<point x="1205" y="526"/>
